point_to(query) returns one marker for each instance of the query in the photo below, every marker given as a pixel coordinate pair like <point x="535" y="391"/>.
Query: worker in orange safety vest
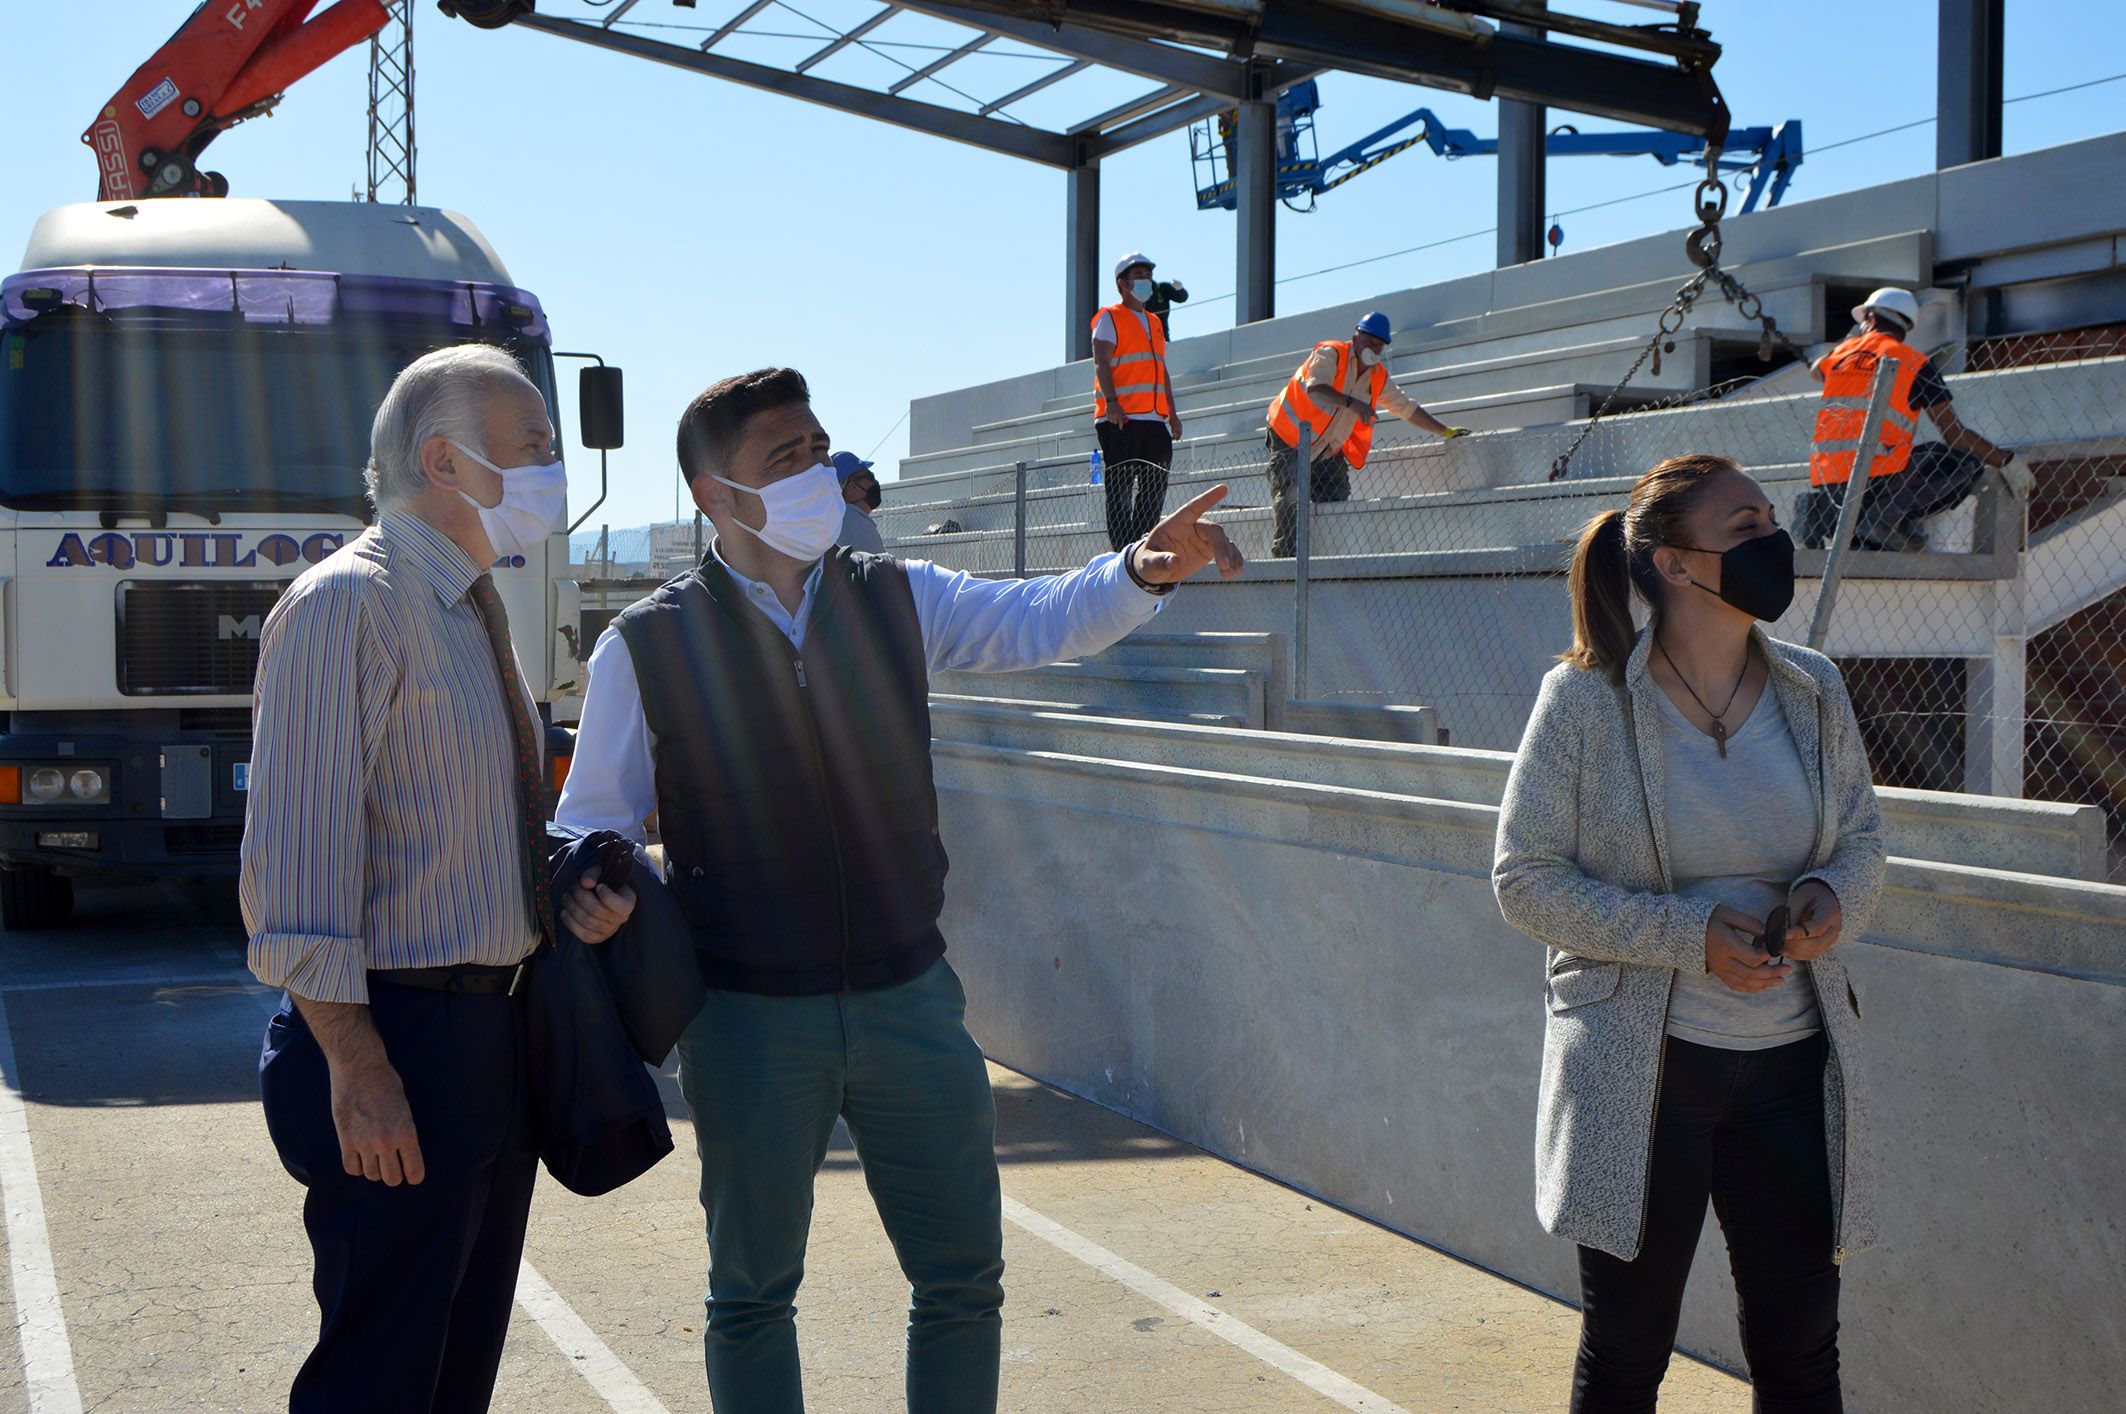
<point x="1909" y="480"/>
<point x="1335" y="394"/>
<point x="1133" y="404"/>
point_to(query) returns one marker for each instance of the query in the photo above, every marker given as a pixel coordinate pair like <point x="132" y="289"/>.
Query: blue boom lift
<point x="1769" y="155"/>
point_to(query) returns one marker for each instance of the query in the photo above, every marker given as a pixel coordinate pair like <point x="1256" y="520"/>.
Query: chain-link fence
<point x="1993" y="659"/>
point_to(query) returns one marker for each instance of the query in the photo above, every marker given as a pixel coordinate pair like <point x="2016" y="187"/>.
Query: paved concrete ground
<point x="158" y="1261"/>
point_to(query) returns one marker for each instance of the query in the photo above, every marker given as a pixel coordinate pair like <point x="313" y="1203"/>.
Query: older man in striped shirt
<point x="394" y="883"/>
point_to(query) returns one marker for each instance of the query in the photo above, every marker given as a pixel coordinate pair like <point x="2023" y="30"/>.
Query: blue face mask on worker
<point x="1142" y="289"/>
<point x="804" y="511"/>
<point x="1756" y="576"/>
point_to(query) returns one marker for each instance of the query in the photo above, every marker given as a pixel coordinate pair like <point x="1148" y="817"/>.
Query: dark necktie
<point x="531" y="789"/>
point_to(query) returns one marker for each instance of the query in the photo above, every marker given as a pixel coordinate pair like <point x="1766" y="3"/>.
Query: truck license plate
<point x="243" y="775"/>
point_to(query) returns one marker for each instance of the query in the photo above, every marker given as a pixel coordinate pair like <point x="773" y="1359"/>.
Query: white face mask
<point x="1368" y="357"/>
<point x="804" y="512"/>
<point x="1142" y="289"/>
<point x="533" y="498"/>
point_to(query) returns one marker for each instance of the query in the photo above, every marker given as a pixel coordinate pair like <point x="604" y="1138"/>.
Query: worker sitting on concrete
<point x="1335" y="392"/>
<point x="1133" y="404"/>
<point x="861" y="495"/>
<point x="1914" y="482"/>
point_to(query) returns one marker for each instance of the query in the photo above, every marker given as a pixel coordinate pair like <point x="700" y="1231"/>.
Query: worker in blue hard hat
<point x="1335" y="393"/>
<point x="861" y="495"/>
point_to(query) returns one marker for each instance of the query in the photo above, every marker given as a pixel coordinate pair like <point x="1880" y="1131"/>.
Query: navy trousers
<point x="414" y="1284"/>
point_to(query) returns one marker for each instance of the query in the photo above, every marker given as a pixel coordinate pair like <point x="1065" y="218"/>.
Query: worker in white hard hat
<point x="1133" y="404"/>
<point x="1916" y="480"/>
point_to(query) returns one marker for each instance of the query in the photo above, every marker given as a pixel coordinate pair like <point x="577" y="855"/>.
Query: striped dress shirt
<point x="383" y="829"/>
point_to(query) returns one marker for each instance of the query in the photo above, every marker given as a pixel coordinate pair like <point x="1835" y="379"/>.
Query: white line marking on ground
<point x="1309" y="1372"/>
<point x="146" y="979"/>
<point x="47" y="1356"/>
<point x="593" y="1359"/>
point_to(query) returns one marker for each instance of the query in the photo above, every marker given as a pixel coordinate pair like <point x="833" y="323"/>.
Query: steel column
<point x="1255" y="236"/>
<point x="1967" y="82"/>
<point x="1082" y="286"/>
<point x="1521" y="172"/>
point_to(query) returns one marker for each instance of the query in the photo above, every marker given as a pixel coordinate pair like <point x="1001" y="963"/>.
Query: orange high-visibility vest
<point x="1294" y="402"/>
<point x="1848" y="378"/>
<point x="1139" y="364"/>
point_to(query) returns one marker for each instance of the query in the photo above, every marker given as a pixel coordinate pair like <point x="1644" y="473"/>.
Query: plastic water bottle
<point x="1099" y="469"/>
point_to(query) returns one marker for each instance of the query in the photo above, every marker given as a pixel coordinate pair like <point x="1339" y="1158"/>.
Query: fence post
<point x="697" y="539"/>
<point x="1018" y="525"/>
<point x="1302" y="555"/>
<point x="1850" y="501"/>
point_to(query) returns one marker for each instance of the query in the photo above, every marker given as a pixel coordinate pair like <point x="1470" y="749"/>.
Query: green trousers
<point x="766" y="1078"/>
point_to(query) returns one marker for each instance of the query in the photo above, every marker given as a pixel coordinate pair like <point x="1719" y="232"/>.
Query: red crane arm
<point x="232" y="60"/>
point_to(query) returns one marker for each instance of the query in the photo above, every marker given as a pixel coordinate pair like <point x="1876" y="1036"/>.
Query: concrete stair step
<point x="1226" y="692"/>
<point x="2020" y="836"/>
<point x="947" y="704"/>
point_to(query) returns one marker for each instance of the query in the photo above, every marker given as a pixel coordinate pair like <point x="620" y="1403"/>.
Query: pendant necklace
<point x="1719" y="732"/>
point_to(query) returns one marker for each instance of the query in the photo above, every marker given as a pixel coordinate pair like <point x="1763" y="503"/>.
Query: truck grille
<point x="177" y="639"/>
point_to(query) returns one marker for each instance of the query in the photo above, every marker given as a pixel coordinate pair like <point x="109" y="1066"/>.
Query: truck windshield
<point x="194" y="407"/>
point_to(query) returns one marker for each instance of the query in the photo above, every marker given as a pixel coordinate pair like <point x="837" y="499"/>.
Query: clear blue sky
<point x="687" y="228"/>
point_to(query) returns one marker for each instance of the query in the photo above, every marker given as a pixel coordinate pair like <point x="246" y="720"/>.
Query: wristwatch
<point x="1129" y="563"/>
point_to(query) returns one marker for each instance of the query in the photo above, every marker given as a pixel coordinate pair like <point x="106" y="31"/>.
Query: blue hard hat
<point x="848" y="464"/>
<point x="1376" y="324"/>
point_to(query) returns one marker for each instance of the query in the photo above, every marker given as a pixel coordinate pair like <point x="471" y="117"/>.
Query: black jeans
<point x="1746" y="1129"/>
<point x="1330" y="482"/>
<point x="1137" y="456"/>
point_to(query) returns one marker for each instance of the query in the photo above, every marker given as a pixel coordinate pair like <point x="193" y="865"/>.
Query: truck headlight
<point x="45" y="785"/>
<point x="89" y="786"/>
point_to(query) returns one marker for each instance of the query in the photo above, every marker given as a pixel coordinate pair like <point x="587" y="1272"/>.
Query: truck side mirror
<point x="598" y="407"/>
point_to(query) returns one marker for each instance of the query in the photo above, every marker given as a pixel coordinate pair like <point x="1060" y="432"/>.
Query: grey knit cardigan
<point x="1583" y="867"/>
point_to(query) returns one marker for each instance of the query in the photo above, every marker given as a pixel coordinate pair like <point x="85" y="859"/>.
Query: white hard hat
<point x="1891" y="300"/>
<point x="1135" y="257"/>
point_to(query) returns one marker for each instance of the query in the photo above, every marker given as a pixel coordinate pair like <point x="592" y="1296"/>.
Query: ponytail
<point x="1602" y="632"/>
<point x="1615" y="557"/>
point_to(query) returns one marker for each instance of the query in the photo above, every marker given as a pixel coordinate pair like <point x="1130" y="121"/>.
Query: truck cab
<point x="186" y="391"/>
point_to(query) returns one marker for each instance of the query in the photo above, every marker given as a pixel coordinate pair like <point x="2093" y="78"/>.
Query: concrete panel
<point x="2002" y="205"/>
<point x="1224" y="975"/>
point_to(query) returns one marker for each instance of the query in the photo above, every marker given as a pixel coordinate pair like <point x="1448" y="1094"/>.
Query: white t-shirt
<point x="1104" y="333"/>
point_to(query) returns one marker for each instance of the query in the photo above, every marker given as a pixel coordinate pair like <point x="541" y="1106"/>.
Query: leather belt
<point x="473" y="979"/>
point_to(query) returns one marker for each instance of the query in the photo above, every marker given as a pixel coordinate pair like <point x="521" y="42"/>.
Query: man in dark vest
<point x="772" y="709"/>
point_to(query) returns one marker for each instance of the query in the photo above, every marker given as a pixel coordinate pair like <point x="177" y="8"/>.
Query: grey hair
<point x="439" y="394"/>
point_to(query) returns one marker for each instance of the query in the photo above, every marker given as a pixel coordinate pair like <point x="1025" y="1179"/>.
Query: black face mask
<point x="1756" y="576"/>
<point x="874" y="495"/>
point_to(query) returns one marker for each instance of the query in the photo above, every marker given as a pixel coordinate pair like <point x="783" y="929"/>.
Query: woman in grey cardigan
<point x="1690" y="830"/>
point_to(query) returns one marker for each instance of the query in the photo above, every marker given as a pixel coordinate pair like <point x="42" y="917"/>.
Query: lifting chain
<point x="1702" y="245"/>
